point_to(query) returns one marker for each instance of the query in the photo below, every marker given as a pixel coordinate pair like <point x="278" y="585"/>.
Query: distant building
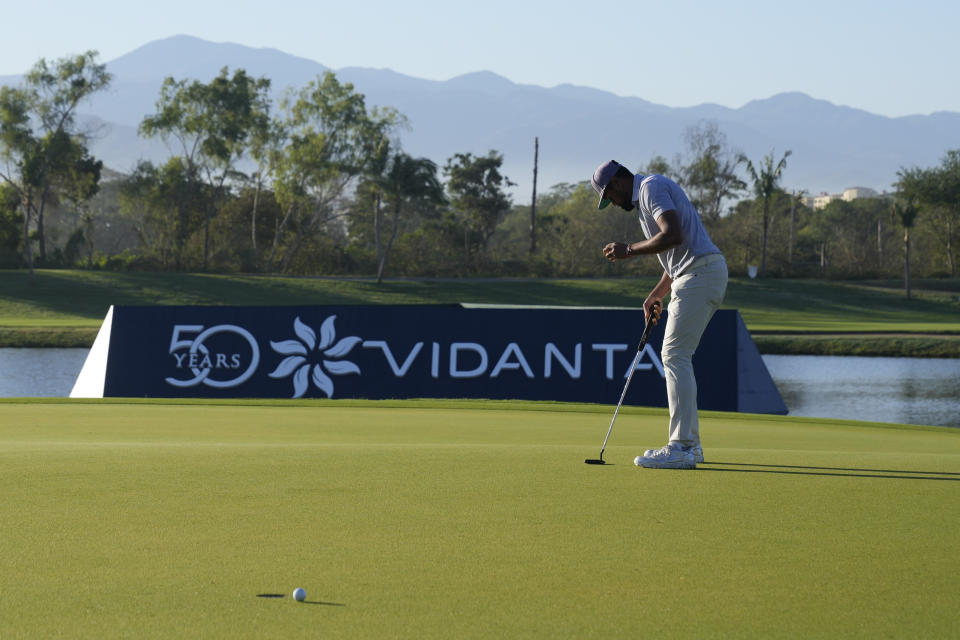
<point x="823" y="198"/>
<point x="859" y="192"/>
<point x="818" y="201"/>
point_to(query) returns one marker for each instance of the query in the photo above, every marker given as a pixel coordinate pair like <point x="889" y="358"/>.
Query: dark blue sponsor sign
<point x="568" y="354"/>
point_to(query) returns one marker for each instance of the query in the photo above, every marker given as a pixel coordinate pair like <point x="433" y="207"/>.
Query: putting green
<point x="467" y="519"/>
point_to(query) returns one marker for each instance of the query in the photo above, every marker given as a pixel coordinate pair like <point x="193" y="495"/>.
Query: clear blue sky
<point x="888" y="57"/>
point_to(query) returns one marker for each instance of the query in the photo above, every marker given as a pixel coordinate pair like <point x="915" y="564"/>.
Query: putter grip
<point x="646" y="330"/>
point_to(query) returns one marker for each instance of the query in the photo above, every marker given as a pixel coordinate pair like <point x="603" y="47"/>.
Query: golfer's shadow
<point x="838" y="472"/>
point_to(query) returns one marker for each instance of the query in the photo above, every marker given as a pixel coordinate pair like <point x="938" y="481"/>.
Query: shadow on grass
<point x="839" y="472"/>
<point x="280" y="595"/>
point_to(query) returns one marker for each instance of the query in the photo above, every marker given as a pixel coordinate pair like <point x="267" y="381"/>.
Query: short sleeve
<point x="655" y="197"/>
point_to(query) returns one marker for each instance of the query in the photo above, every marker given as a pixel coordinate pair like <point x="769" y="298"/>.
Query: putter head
<point x="594" y="461"/>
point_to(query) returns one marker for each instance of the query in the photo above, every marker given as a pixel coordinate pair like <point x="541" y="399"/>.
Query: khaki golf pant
<point x="694" y="296"/>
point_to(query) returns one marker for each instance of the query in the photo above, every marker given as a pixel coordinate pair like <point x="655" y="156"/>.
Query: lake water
<point x="39" y="373"/>
<point x="902" y="390"/>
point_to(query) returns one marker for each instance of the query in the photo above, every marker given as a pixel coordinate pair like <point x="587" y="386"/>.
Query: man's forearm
<point x="663" y="287"/>
<point x="657" y="244"/>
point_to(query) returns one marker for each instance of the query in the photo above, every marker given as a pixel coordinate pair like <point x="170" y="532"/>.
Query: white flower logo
<point x="296" y="362"/>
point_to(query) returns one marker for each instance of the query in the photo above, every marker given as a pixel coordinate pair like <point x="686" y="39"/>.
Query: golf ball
<point x="299" y="594"/>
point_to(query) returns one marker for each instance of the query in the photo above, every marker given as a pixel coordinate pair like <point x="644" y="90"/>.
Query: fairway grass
<point x="58" y="299"/>
<point x="467" y="520"/>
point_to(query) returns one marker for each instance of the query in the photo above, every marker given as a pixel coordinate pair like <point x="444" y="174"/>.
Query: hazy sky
<point x="888" y="57"/>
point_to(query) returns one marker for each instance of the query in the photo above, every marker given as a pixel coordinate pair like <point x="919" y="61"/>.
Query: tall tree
<point x="476" y="189"/>
<point x="11" y="224"/>
<point x="847" y="229"/>
<point x="796" y="201"/>
<point x="41" y="143"/>
<point x="398" y="182"/>
<point x="214" y="125"/>
<point x="328" y="140"/>
<point x="711" y="177"/>
<point x="160" y="201"/>
<point x="765" y="186"/>
<point x="906" y="214"/>
<point x="660" y="165"/>
<point x="937" y="191"/>
<point x="265" y="149"/>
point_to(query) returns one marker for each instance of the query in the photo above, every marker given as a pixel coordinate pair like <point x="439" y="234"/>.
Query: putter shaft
<point x="633" y="367"/>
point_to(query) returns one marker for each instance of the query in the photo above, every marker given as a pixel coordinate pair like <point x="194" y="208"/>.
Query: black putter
<point x="633" y="367"/>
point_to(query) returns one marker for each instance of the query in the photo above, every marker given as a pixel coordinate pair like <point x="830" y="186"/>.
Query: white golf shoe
<point x="696" y="450"/>
<point x="671" y="456"/>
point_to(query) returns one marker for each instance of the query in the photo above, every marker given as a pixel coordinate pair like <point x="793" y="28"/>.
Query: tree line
<point x="318" y="183"/>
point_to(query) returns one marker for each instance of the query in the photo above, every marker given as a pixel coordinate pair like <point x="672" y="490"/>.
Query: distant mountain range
<point x="834" y="147"/>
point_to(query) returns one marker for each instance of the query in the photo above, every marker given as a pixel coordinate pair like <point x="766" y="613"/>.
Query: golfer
<point x="695" y="275"/>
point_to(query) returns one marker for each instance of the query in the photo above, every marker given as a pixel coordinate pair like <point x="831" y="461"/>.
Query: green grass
<point x="466" y="519"/>
<point x="836" y="307"/>
<point x="872" y="345"/>
<point x="62" y="300"/>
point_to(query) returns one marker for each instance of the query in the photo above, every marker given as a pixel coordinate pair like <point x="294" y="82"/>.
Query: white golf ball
<point x="299" y="594"/>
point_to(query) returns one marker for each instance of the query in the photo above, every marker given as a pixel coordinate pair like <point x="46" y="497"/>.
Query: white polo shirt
<point x="655" y="194"/>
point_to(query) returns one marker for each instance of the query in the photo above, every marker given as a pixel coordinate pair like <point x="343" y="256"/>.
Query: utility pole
<point x="879" y="241"/>
<point x="793" y="220"/>
<point x="533" y="201"/>
<point x="796" y="198"/>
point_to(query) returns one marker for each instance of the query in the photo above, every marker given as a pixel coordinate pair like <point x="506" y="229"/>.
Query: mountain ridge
<point x="834" y="146"/>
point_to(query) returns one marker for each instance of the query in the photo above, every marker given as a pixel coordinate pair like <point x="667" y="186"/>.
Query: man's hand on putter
<point x="616" y="251"/>
<point x="651" y="310"/>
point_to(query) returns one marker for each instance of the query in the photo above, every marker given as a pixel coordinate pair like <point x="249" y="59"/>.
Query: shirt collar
<point x="637" y="179"/>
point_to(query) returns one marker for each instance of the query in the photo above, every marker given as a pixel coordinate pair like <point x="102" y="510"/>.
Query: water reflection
<point x="901" y="390"/>
<point x="39" y="373"/>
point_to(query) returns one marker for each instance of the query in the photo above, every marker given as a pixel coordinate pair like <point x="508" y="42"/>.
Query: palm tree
<point x="764" y="188"/>
<point x="907" y="214"/>
<point x="400" y="181"/>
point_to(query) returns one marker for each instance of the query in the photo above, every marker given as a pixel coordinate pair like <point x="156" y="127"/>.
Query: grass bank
<point x="891" y="346"/>
<point x="65" y="307"/>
